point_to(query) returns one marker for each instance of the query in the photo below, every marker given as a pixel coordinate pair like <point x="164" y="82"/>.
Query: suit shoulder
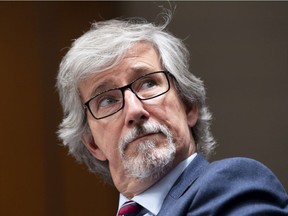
<point x="240" y="185"/>
<point x="239" y="167"/>
<point x="238" y="163"/>
<point x="233" y="186"/>
<point x="242" y="172"/>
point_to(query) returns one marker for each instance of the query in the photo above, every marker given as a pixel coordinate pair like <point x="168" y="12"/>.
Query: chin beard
<point x="151" y="160"/>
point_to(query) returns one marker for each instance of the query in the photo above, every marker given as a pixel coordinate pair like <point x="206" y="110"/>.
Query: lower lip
<point x="144" y="136"/>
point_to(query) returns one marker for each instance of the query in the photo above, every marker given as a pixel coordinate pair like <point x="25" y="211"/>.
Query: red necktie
<point x="129" y="208"/>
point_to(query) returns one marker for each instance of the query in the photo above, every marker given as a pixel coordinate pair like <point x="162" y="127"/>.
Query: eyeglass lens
<point x="146" y="87"/>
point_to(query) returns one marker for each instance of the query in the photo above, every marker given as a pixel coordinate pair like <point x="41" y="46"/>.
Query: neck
<point x="131" y="187"/>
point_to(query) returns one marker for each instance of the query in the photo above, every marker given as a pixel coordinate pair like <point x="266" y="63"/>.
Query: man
<point x="135" y="115"/>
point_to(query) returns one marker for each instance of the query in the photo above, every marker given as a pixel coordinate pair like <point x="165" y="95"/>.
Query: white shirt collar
<point x="153" y="198"/>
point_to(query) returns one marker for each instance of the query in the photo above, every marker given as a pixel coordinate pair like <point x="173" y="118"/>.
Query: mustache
<point x="142" y="130"/>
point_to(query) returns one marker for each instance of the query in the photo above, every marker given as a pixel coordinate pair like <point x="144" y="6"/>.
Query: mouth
<point x="149" y="132"/>
<point x="143" y="136"/>
<point x="134" y="146"/>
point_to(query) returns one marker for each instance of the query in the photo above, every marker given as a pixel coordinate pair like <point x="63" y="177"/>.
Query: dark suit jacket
<point x="236" y="186"/>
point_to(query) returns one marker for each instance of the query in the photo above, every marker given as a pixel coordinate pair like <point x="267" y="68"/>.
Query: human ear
<point x="192" y="115"/>
<point x="88" y="141"/>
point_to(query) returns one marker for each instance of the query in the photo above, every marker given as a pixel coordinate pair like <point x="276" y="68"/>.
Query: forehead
<point x="139" y="59"/>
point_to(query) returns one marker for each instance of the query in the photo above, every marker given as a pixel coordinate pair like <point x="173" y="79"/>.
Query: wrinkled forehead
<point x="139" y="59"/>
<point x="108" y="61"/>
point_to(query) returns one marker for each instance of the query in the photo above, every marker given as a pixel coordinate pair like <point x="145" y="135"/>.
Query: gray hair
<point x="102" y="48"/>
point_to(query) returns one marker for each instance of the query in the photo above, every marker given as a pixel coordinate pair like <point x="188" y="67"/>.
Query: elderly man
<point x="135" y="115"/>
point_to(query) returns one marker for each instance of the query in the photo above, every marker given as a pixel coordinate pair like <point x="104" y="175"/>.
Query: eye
<point x="106" y="102"/>
<point x="108" y="99"/>
<point x="148" y="84"/>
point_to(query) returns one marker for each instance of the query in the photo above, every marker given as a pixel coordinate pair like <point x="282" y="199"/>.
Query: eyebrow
<point x="101" y="87"/>
<point x="137" y="71"/>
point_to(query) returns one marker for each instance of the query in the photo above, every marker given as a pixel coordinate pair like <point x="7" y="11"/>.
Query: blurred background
<point x="240" y="50"/>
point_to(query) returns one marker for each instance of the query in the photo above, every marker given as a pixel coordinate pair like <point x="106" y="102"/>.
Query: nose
<point x="135" y="112"/>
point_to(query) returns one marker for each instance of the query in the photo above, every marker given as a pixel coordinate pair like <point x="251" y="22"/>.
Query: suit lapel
<point x="188" y="177"/>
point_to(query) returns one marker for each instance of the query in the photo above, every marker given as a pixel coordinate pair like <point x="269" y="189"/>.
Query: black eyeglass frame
<point x="129" y="86"/>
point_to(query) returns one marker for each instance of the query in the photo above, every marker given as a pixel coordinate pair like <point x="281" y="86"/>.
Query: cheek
<point x="103" y="137"/>
<point x="167" y="108"/>
<point x="175" y="117"/>
<point x="175" y="112"/>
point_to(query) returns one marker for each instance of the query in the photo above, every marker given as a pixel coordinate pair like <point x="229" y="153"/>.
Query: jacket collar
<point x="188" y="177"/>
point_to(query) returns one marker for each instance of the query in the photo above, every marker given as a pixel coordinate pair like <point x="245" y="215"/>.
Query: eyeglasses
<point x="111" y="101"/>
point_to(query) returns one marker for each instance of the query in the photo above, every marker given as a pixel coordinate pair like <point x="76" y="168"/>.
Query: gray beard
<point x="150" y="160"/>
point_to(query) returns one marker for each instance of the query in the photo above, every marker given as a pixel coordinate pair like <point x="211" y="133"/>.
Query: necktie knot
<point x="129" y="208"/>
